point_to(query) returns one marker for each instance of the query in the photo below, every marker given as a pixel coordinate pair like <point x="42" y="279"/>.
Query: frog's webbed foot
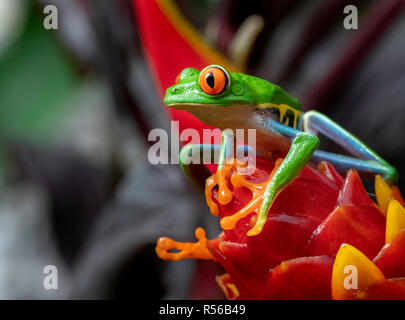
<point x="263" y="195"/>
<point x="224" y="193"/>
<point x="186" y="250"/>
<point x="302" y="148"/>
<point x="227" y="164"/>
<point x="259" y="204"/>
<point x="228" y="171"/>
<point x="266" y="196"/>
<point x="193" y="158"/>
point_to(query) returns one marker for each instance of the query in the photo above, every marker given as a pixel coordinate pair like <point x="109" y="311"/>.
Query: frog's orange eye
<point x="178" y="79"/>
<point x="213" y="80"/>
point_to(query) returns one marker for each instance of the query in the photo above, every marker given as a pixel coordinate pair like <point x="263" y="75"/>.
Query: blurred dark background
<point x="77" y="104"/>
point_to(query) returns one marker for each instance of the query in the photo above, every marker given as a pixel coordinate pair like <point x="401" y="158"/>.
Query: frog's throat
<point x="235" y="116"/>
<point x="223" y="117"/>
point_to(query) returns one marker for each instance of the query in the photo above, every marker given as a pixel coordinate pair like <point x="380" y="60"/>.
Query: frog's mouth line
<point x="188" y="106"/>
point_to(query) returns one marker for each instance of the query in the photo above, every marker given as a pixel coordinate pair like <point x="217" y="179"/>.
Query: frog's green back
<point x="267" y="92"/>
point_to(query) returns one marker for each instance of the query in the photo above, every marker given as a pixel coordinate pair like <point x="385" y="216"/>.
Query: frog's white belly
<point x="243" y="117"/>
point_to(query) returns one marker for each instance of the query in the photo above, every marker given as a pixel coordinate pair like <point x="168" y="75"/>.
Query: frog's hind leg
<point x="365" y="160"/>
<point x="364" y="167"/>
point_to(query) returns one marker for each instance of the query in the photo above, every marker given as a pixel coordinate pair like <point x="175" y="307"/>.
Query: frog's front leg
<point x="197" y="173"/>
<point x="302" y="147"/>
<point x="366" y="161"/>
<point x="193" y="157"/>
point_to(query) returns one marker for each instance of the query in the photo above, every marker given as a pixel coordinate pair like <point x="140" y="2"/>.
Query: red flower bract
<point x="294" y="257"/>
<point x="293" y="217"/>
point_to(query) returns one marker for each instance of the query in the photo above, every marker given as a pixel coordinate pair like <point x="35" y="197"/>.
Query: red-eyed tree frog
<point x="238" y="101"/>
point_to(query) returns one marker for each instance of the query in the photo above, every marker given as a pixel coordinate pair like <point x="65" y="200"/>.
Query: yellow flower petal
<point x="352" y="263"/>
<point x="395" y="220"/>
<point x="383" y="193"/>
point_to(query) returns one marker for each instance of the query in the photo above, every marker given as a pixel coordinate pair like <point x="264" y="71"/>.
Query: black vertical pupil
<point x="209" y="77"/>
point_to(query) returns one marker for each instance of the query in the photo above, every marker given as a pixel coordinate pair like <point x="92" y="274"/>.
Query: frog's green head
<point x="220" y="98"/>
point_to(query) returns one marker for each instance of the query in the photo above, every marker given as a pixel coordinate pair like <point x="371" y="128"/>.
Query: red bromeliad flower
<point x="324" y="237"/>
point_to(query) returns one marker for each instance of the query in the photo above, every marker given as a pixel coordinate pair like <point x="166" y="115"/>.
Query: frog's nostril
<point x="176" y="90"/>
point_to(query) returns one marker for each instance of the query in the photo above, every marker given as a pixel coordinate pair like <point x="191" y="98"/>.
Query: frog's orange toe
<point x="186" y="250"/>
